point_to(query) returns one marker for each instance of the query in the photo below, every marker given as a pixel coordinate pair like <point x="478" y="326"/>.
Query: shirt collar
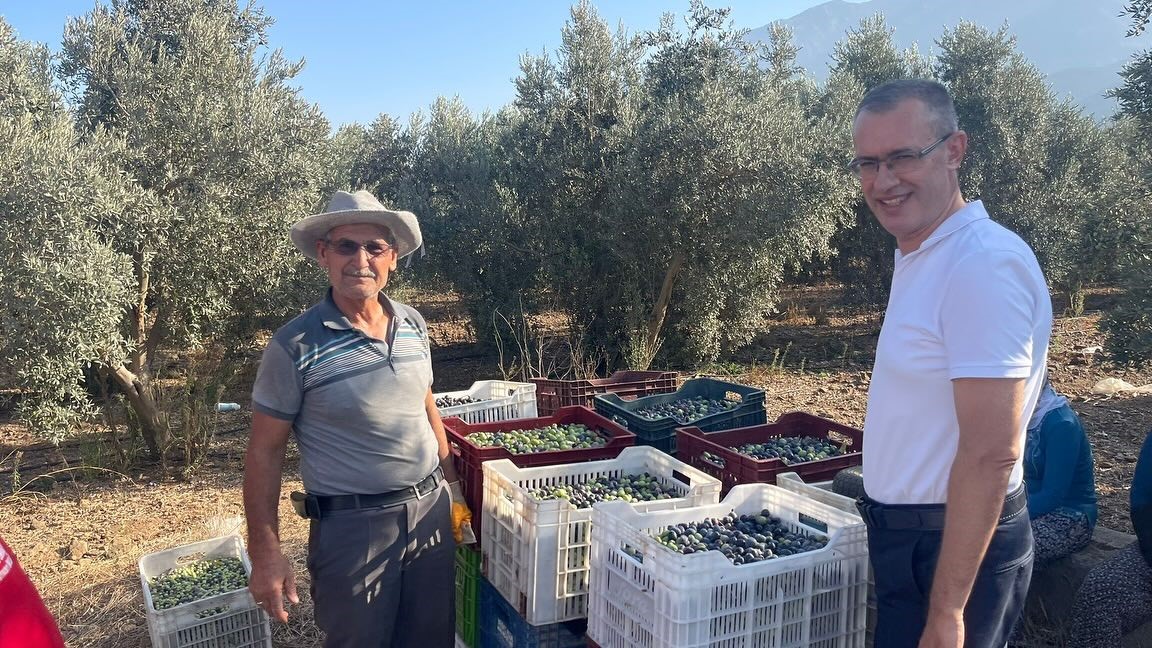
<point x="333" y="318"/>
<point x="966" y="215"/>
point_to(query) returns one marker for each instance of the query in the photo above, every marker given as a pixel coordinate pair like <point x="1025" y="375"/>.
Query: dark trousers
<point x="385" y="577"/>
<point x="904" y="563"/>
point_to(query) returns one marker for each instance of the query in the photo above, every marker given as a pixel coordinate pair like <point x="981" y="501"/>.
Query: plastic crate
<point x="536" y="551"/>
<point x="822" y="492"/>
<point x="661" y="433"/>
<point x="239" y="623"/>
<point x="551" y="395"/>
<point x="467" y="594"/>
<point x="644" y="594"/>
<point x="470" y="458"/>
<point x="500" y="400"/>
<point x="503" y="627"/>
<point x="734" y="468"/>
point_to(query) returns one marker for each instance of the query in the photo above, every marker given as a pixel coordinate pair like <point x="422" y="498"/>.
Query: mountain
<point x="1078" y="44"/>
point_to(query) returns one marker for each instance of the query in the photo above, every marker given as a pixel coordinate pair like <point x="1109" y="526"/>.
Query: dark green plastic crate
<point x="467" y="593"/>
<point x="661" y="433"/>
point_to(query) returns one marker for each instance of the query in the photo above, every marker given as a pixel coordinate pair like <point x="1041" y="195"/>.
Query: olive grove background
<point x="658" y="189"/>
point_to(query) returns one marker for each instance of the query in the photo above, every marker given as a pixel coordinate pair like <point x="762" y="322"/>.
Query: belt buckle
<point x="416" y="488"/>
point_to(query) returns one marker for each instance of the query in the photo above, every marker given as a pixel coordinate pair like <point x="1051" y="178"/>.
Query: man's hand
<point x="272" y="581"/>
<point x="461" y="516"/>
<point x="943" y="630"/>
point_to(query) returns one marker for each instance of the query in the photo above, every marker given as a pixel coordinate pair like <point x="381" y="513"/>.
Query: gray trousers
<point x="385" y="577"/>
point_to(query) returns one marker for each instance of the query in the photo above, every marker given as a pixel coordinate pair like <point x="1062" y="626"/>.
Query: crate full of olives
<point x="489" y="400"/>
<point x="570" y="435"/>
<point x="537" y="522"/>
<point x="706" y="403"/>
<point x="765" y="562"/>
<point x="197" y="595"/>
<point x="813" y="447"/>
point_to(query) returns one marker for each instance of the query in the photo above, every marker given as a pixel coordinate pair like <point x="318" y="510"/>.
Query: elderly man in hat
<point x="351" y="377"/>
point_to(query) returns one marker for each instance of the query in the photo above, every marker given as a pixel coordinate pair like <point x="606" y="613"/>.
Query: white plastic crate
<point x="239" y="623"/>
<point x="500" y="400"/>
<point x="536" y="552"/>
<point x="819" y="491"/>
<point x="822" y="492"/>
<point x="644" y="594"/>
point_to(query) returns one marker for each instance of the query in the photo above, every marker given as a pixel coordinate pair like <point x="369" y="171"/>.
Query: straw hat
<point x="355" y="208"/>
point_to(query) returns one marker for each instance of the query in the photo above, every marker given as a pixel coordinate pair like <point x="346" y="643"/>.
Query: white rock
<point x="1111" y="386"/>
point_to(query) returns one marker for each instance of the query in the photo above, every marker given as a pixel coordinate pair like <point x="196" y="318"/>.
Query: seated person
<point x="1116" y="596"/>
<point x="1059" y="478"/>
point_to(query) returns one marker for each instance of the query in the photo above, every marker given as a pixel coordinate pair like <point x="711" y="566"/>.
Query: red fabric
<point x="25" y="621"/>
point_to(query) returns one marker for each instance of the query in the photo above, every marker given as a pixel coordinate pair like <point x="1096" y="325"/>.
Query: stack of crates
<point x="228" y="620"/>
<point x="469" y="458"/>
<point x="536" y="552"/>
<point x="660" y="433"/>
<point x="551" y="395"/>
<point x="496" y="400"/>
<point x="712" y="451"/>
<point x="647" y="595"/>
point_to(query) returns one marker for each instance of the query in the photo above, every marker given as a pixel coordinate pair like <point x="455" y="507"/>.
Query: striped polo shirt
<point x="356" y="403"/>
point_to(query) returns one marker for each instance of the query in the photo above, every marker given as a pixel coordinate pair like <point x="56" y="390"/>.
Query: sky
<point x="365" y="57"/>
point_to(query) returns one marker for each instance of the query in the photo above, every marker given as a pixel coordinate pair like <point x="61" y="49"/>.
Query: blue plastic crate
<point x="661" y="433"/>
<point x="501" y="626"/>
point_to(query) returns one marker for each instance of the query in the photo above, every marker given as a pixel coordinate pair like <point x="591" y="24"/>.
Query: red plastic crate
<point x="469" y="457"/>
<point x="551" y="395"/>
<point x="738" y="468"/>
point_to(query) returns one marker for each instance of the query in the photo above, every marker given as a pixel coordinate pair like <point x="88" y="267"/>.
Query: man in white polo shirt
<point x="960" y="360"/>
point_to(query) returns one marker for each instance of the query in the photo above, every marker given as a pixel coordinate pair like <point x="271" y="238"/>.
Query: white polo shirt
<point x="971" y="302"/>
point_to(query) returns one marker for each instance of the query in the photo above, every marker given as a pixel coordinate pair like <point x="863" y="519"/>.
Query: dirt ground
<point x="80" y="532"/>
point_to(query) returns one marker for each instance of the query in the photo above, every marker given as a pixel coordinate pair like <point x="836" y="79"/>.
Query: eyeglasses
<point x="346" y="247"/>
<point x="899" y="162"/>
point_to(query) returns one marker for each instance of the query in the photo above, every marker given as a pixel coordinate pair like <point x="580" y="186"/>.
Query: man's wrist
<point x="263" y="546"/>
<point x="945" y="611"/>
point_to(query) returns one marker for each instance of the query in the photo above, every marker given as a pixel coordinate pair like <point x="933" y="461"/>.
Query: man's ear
<point x="321" y="253"/>
<point x="957" y="148"/>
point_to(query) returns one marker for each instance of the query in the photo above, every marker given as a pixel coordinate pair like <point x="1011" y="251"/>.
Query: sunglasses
<point x="346" y="247"/>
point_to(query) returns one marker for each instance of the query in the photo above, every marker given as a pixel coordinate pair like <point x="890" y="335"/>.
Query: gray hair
<point x="934" y="96"/>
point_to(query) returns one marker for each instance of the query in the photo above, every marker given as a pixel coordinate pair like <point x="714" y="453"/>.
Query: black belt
<point x="315" y="505"/>
<point x="926" y="517"/>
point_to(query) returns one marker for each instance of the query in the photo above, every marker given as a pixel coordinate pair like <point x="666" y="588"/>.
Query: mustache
<point x="366" y="273"/>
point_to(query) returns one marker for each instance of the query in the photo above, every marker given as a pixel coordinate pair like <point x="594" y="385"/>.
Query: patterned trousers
<point x="1058" y="534"/>
<point x="1114" y="599"/>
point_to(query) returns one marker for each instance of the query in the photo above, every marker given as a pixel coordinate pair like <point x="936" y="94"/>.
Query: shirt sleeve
<point x="989" y="316"/>
<point x="1061" y="434"/>
<point x="278" y="390"/>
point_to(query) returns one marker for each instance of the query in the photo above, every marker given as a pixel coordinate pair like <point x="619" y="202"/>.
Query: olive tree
<point x="64" y="287"/>
<point x="568" y="130"/>
<point x="218" y="155"/>
<point x="1130" y="323"/>
<point x="477" y="240"/>
<point x="382" y="163"/>
<point x="1044" y="168"/>
<point x="675" y="177"/>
